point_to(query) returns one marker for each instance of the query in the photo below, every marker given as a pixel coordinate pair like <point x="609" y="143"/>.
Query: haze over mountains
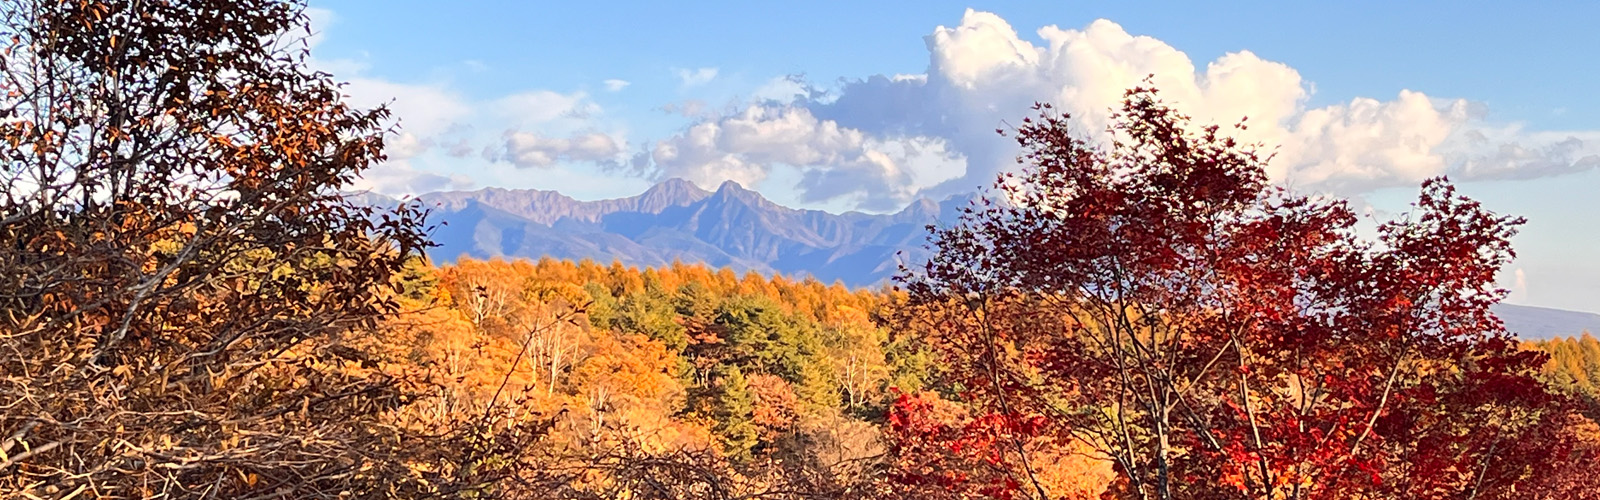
<point x="738" y="228"/>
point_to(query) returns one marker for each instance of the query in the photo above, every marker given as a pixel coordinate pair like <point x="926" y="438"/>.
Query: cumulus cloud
<point x="882" y="140"/>
<point x="696" y="77"/>
<point x="406" y="145"/>
<point x="532" y="150"/>
<point x="742" y="147"/>
<point x="886" y="175"/>
<point x="834" y="161"/>
<point x="982" y="74"/>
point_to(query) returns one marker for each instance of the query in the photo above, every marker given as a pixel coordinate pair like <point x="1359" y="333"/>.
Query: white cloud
<point x="783" y="89"/>
<point x="531" y="150"/>
<point x="319" y="19"/>
<point x="543" y="106"/>
<point x="434" y="115"/>
<point x="744" y="146"/>
<point x="459" y="149"/>
<point x="1513" y="153"/>
<point x="690" y="108"/>
<point x="398" y="178"/>
<point x="696" y="77"/>
<point x="1367" y="143"/>
<point x="1519" y="288"/>
<point x="886" y="175"/>
<point x="981" y="75"/>
<point x="424" y="110"/>
<point x="882" y="140"/>
<point x="1353" y="147"/>
<point x="406" y="145"/>
<point x="834" y="161"/>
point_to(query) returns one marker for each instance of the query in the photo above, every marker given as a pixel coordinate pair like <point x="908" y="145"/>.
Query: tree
<point x="730" y="409"/>
<point x="1214" y="337"/>
<point x="1574" y="368"/>
<point x="183" y="289"/>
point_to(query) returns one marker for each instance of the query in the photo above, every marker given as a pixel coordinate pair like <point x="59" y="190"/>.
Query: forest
<point x="192" y="307"/>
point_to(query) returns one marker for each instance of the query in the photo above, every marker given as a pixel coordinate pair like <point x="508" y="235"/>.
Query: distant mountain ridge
<point x="1545" y="323"/>
<point x="677" y="220"/>
<point x="735" y="227"/>
<point x="548" y="207"/>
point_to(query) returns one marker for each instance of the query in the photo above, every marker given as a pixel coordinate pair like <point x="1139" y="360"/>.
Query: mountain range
<point x="736" y="227"/>
<point x="676" y="220"/>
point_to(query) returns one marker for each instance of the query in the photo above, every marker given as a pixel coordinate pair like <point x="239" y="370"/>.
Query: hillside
<point x="1546" y="323"/>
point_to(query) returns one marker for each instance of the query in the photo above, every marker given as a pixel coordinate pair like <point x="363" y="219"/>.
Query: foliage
<point x="1156" y="301"/>
<point x="183" y="283"/>
<point x="678" y="363"/>
<point x="190" y="308"/>
<point x="1574" y="368"/>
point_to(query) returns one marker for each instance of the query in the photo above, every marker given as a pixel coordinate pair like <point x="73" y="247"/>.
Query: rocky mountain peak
<point x="674" y="192"/>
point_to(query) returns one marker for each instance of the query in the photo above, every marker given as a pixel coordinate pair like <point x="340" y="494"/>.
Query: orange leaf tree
<point x="180" y="277"/>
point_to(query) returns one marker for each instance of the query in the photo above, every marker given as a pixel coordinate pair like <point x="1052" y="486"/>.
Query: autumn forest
<point x="192" y="307"/>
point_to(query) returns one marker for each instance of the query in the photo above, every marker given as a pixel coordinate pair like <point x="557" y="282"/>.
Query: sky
<point x="840" y="106"/>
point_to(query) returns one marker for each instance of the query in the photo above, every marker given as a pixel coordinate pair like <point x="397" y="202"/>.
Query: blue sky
<point x="840" y="106"/>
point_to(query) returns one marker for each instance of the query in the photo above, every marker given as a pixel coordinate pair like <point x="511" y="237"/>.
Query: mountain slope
<point x="1545" y="323"/>
<point x="677" y="220"/>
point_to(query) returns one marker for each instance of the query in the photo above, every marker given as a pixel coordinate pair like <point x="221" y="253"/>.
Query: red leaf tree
<point x="1214" y="336"/>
